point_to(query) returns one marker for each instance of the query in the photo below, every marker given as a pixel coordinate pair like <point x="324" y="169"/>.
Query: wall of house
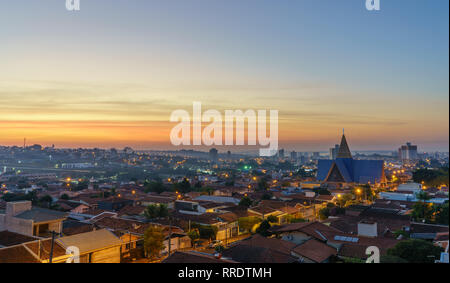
<point x="109" y="255"/>
<point x="367" y="229"/>
<point x="55" y="226"/>
<point x="17" y="225"/>
<point x="14" y="208"/>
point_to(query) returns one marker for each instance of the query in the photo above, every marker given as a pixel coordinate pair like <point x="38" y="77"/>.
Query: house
<point x="21" y="217"/>
<point x="114" y="203"/>
<point x="130" y="211"/>
<point x="73" y="227"/>
<point x="8" y="238"/>
<point x="345" y="245"/>
<point x="99" y="246"/>
<point x="72" y="206"/>
<point x="385" y="219"/>
<point x="18" y="248"/>
<point x="313" y="251"/>
<point x="131" y="232"/>
<point x="218" y="199"/>
<point x="258" y="249"/>
<point x="264" y="211"/>
<point x="157" y="200"/>
<point x="426" y="231"/>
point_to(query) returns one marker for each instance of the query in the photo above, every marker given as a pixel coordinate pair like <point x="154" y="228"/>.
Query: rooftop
<point x="38" y="214"/>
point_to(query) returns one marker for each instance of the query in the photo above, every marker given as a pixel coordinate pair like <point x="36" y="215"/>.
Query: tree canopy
<point x="416" y="251"/>
<point x="153" y="241"/>
<point x="156" y="211"/>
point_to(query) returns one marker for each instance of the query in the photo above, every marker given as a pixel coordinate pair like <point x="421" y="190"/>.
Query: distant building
<point x="334" y="151"/>
<point x="294" y="155"/>
<point x="281" y="153"/>
<point x="407" y="152"/>
<point x="213" y="155"/>
<point x="346" y="170"/>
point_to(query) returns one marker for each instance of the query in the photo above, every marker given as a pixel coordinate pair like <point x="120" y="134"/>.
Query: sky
<point x="111" y="74"/>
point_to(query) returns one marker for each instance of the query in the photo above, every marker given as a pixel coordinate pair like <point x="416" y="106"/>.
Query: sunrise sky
<point x="111" y="74"/>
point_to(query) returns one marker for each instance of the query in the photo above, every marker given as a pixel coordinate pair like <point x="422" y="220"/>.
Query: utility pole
<point x="170" y="234"/>
<point x="51" y="250"/>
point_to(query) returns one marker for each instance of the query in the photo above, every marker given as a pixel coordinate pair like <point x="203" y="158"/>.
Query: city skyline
<point x="111" y="74"/>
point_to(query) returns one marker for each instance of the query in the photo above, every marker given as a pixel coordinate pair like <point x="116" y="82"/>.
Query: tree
<point x="442" y="214"/>
<point x="392" y="259"/>
<point x="263" y="228"/>
<point x="262" y="185"/>
<point x="245" y="201"/>
<point x="323" y="191"/>
<point x="345" y="200"/>
<point x="65" y="197"/>
<point x="416" y="251"/>
<point x="205" y="231"/>
<point x="266" y="196"/>
<point x="324" y="213"/>
<point x="423" y="210"/>
<point x="219" y="249"/>
<point x="46" y="201"/>
<point x="183" y="186"/>
<point x="247" y="223"/>
<point x="156" y="211"/>
<point x="156" y="187"/>
<point x="194" y="235"/>
<point x="432" y="177"/>
<point x="153" y="241"/>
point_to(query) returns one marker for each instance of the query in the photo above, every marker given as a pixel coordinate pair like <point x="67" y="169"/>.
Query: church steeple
<point x="344" y="151"/>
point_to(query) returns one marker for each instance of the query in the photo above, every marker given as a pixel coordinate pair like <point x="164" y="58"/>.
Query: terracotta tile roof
<point x="385" y="220"/>
<point x="442" y="236"/>
<point x="206" y="218"/>
<point x="353" y="251"/>
<point x="43" y="248"/>
<point x="74" y="227"/>
<point x="325" y="197"/>
<point x="132" y="226"/>
<point x="104" y="214"/>
<point x="313" y="229"/>
<point x="157" y="199"/>
<point x="8" y="239"/>
<point x="131" y="210"/>
<point x="315" y="250"/>
<point x="427" y="228"/>
<point x="258" y="249"/>
<point x="229" y="217"/>
<point x="262" y="209"/>
<point x="17" y="254"/>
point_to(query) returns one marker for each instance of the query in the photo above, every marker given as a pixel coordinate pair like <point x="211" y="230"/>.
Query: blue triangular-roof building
<point x="346" y="170"/>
